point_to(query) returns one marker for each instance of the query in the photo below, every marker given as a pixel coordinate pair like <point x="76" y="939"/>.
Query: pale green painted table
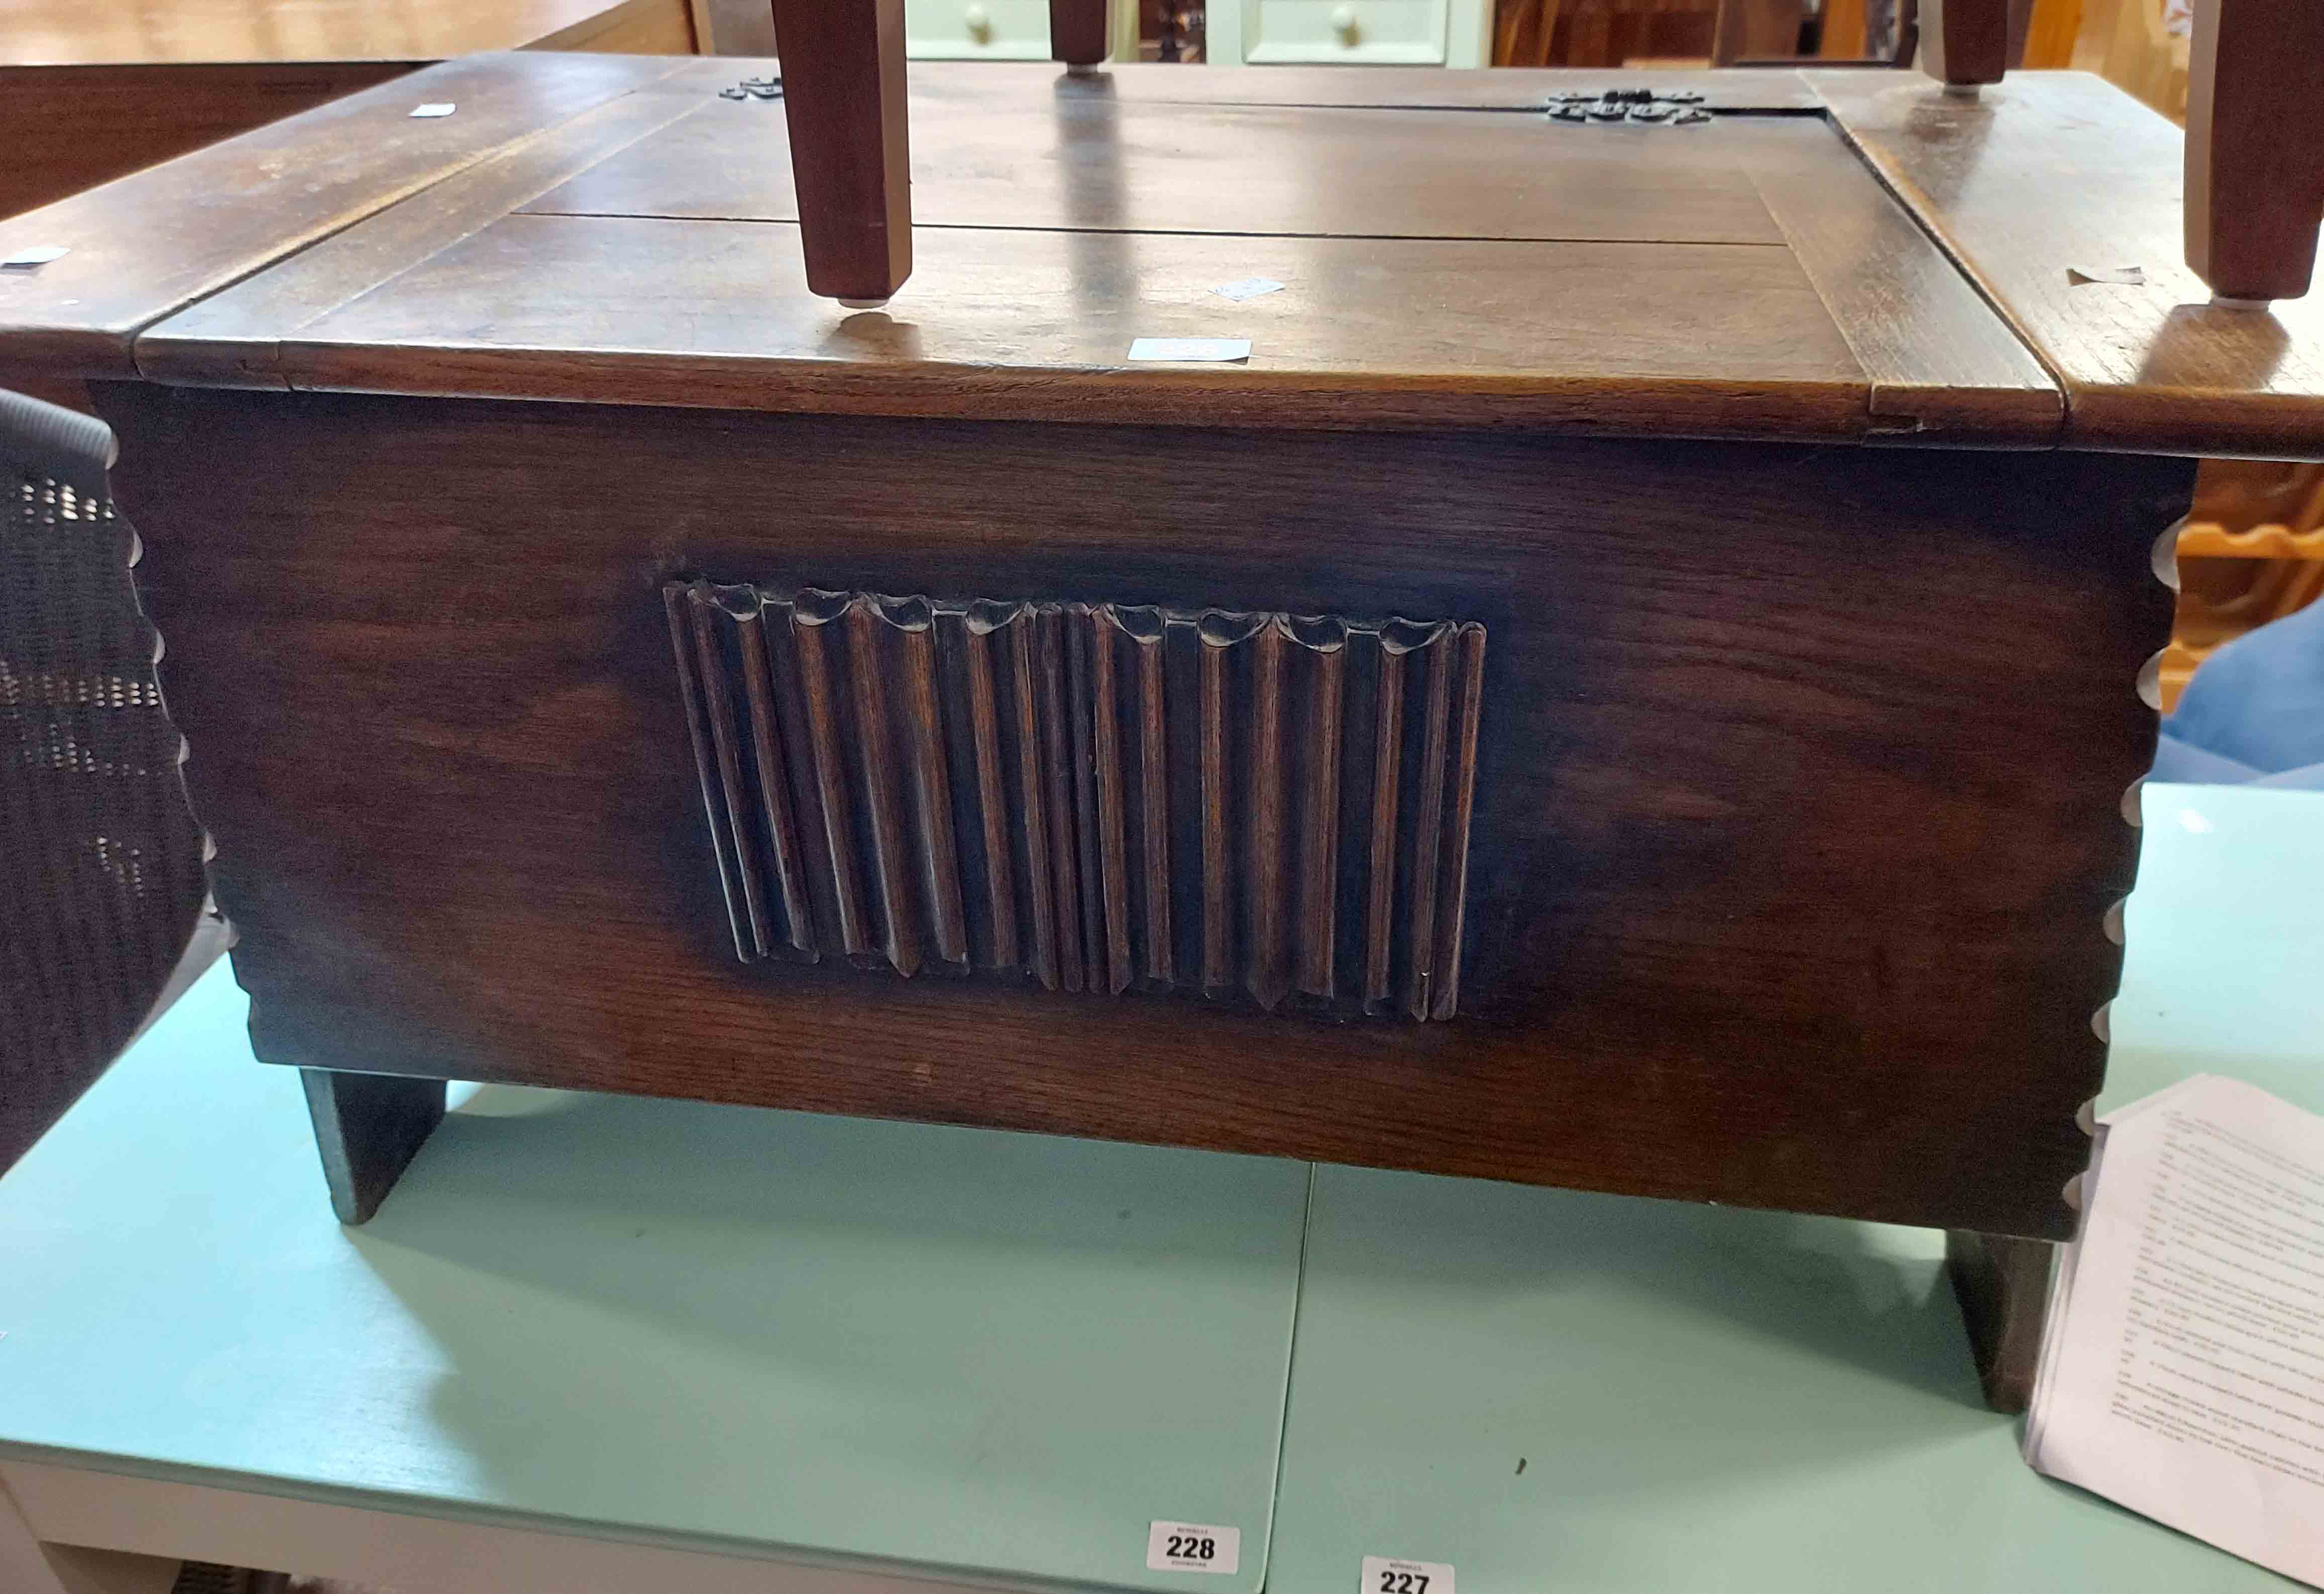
<point x="820" y="1339"/>
<point x="1716" y="1402"/>
<point x="836" y="1343"/>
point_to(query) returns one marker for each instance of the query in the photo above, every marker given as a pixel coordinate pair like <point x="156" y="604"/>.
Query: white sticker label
<point x="1247" y="288"/>
<point x="39" y="254"/>
<point x="1192" y="1546"/>
<point x="1191" y="348"/>
<point x="1385" y="1575"/>
<point x="442" y="108"/>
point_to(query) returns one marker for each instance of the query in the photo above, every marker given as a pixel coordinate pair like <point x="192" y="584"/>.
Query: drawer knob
<point x="1344" y="23"/>
<point x="979" y="23"/>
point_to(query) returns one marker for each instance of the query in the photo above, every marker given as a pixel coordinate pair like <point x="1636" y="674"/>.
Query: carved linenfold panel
<point x="1098" y="797"/>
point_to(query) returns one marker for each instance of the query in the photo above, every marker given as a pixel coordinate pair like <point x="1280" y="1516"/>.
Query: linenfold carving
<point x="1099" y="797"/>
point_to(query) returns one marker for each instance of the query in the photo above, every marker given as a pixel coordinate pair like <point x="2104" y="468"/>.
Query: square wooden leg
<point x="851" y="158"/>
<point x="1078" y="29"/>
<point x="2003" y="1284"/>
<point x="2256" y="147"/>
<point x="368" y="1128"/>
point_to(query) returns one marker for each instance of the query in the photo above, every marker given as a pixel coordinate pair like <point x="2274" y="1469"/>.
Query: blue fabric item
<point x="2258" y="705"/>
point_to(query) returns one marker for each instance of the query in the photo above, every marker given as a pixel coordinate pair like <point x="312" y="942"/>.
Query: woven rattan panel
<point x="101" y="862"/>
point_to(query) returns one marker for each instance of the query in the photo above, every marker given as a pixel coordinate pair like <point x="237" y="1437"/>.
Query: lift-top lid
<point x="1450" y="249"/>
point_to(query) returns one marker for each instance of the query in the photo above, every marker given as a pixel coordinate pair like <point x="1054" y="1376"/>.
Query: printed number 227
<point x="1404" y="1582"/>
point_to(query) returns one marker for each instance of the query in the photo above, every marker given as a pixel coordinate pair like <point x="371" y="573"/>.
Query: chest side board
<point x="1763" y="902"/>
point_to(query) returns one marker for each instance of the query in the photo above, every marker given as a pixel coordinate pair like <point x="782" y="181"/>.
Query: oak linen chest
<point x="1632" y="684"/>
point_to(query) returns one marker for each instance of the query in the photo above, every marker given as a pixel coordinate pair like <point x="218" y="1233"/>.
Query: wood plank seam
<point x="1893" y="183"/>
<point x="426" y="186"/>
<point x="1904" y="418"/>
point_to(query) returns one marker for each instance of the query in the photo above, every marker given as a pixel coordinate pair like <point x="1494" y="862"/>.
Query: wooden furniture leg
<point x="1078" y="32"/>
<point x="851" y="160"/>
<point x="2003" y="1284"/>
<point x="1754" y="30"/>
<point x="1965" y="44"/>
<point x="2256" y="147"/>
<point x="1844" y="29"/>
<point x="368" y="1127"/>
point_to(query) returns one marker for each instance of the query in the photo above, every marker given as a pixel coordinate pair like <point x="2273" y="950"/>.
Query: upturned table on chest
<point x="1630" y="684"/>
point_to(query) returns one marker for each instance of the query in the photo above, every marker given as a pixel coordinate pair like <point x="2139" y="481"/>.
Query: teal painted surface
<point x="1706" y="1401"/>
<point x="2223" y="955"/>
<point x="659" y="1319"/>
<point x="1720" y="1402"/>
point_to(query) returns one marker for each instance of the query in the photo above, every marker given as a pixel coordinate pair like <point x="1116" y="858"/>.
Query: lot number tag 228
<point x="1192" y="1546"/>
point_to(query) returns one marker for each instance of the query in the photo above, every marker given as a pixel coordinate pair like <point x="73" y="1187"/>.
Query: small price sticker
<point x="1192" y="1546"/>
<point x="1386" y="1575"/>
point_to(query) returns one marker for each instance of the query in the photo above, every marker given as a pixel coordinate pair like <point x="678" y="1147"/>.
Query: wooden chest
<point x="1632" y="684"/>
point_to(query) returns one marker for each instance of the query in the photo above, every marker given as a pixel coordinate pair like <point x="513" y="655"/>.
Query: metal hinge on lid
<point x="1641" y="106"/>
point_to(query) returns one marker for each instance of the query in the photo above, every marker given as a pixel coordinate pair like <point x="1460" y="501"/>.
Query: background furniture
<point x="1552" y="1391"/>
<point x="101" y="874"/>
<point x="2252" y="552"/>
<point x="90" y="92"/>
<point x="1349" y="32"/>
<point x="1003" y="30"/>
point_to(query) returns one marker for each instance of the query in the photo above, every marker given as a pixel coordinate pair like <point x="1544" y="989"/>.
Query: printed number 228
<point x="1186" y="1547"/>
<point x="1404" y="1582"/>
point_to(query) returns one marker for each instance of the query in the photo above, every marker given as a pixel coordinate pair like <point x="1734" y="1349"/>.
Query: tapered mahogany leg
<point x="2255" y="146"/>
<point x="2004" y="1286"/>
<point x="1077" y="32"/>
<point x="368" y="1127"/>
<point x="1965" y="44"/>
<point x="851" y="160"/>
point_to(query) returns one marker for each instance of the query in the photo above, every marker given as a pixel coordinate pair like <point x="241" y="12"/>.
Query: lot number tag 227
<point x="1383" y="1575"/>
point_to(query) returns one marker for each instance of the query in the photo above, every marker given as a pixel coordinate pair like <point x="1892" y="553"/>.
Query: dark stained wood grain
<point x="1941" y="365"/>
<point x="2255" y="146"/>
<point x="67" y="128"/>
<point x="153" y="242"/>
<point x="1881" y="337"/>
<point x="850" y="141"/>
<point x="368" y="1127"/>
<point x="1489" y="88"/>
<point x="232" y="339"/>
<point x="1762" y="907"/>
<point x="1099" y="164"/>
<point x="2003" y="1285"/>
<point x="1637" y="337"/>
<point x="1965" y="44"/>
<point x="922" y="760"/>
<point x="2051" y="171"/>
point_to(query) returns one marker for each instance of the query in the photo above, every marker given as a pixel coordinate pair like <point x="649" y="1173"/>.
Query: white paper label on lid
<point x="39" y="254"/>
<point x="1387" y="1575"/>
<point x="1247" y="288"/>
<point x="1208" y="349"/>
<point x="443" y="108"/>
<point x="1192" y="1546"/>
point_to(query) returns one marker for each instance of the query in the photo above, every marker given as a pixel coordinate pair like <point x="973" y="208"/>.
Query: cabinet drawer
<point x="1345" y="32"/>
<point x="996" y="30"/>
